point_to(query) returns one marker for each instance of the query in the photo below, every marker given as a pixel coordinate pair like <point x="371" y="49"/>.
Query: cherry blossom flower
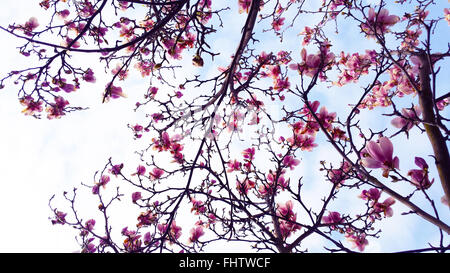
<point x="379" y="155"/>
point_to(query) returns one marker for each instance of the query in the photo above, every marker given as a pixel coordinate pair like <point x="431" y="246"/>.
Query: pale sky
<point x="39" y="158"/>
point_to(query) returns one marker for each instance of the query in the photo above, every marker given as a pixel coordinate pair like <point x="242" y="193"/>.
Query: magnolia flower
<point x="419" y="177"/>
<point x="60" y="218"/>
<point x="244" y="186"/>
<point x="249" y="154"/>
<point x="156" y="173"/>
<point x="140" y="170"/>
<point x="90" y="224"/>
<point x="290" y="162"/>
<point x="30" y="25"/>
<point x="89" y="76"/>
<point x="372" y="194"/>
<point x="358" y="241"/>
<point x="135" y="196"/>
<point x="379" y="23"/>
<point x="332" y="218"/>
<point x="379" y="155"/>
<point x="196" y="233"/>
<point x="385" y="207"/>
<point x="244" y="5"/>
<point x="408" y="119"/>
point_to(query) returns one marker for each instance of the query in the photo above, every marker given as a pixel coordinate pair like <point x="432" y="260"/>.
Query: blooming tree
<point x="229" y="141"/>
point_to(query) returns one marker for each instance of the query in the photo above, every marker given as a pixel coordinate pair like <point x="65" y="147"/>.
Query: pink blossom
<point x="116" y="169"/>
<point x="140" y="170"/>
<point x="56" y="110"/>
<point x="244" y="5"/>
<point x="64" y="13"/>
<point x="332" y="218"/>
<point x="174" y="232"/>
<point x="31" y="105"/>
<point x="244" y="186"/>
<point x="147" y="238"/>
<point x="233" y="166"/>
<point x="249" y="154"/>
<point x="358" y="241"/>
<point x="120" y="71"/>
<point x="441" y="104"/>
<point x="89" y="247"/>
<point x="447" y="15"/>
<point x="196" y="233"/>
<point x="90" y="224"/>
<point x="277" y="23"/>
<point x="285" y="210"/>
<point x="281" y="84"/>
<point x="135" y="196"/>
<point x="419" y="177"/>
<point x="114" y="92"/>
<point x="409" y="118"/>
<point x="326" y="118"/>
<point x="290" y="162"/>
<point x="379" y="155"/>
<point x="379" y="23"/>
<point x="385" y="207"/>
<point x="156" y="173"/>
<point x="372" y="194"/>
<point x="197" y="206"/>
<point x="89" y="76"/>
<point x="287" y="222"/>
<point x="30" y="25"/>
<point x="60" y="218"/>
<point x="146" y="218"/>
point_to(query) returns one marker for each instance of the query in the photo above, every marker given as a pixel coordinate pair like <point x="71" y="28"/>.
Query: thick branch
<point x="437" y="140"/>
